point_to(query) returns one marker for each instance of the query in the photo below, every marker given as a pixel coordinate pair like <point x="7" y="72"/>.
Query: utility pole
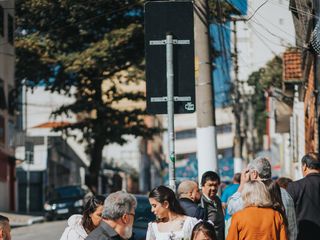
<point x="206" y="124"/>
<point x="237" y="106"/>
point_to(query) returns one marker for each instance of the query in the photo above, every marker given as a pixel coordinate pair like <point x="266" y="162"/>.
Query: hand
<point x="245" y="177"/>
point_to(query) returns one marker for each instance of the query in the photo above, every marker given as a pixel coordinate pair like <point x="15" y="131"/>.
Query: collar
<point x="206" y="198"/>
<point x="108" y="230"/>
<point x="186" y="200"/>
<point x="313" y="174"/>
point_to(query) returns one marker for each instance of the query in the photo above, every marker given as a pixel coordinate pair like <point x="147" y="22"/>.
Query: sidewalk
<point x="19" y="219"/>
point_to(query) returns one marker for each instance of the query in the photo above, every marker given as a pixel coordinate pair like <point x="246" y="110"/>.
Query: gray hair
<point x="186" y="186"/>
<point x="117" y="204"/>
<point x="262" y="166"/>
<point x="255" y="193"/>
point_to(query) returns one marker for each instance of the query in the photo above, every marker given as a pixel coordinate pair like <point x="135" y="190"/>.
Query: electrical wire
<point x="298" y="10"/>
<point x="257" y="9"/>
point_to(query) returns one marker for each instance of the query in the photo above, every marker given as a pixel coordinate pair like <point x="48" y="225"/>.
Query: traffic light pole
<point x="170" y="109"/>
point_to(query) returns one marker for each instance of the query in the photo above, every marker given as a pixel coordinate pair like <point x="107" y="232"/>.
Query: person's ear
<point x="125" y="218"/>
<point x="304" y="168"/>
<point x="1" y="233"/>
<point x="165" y="204"/>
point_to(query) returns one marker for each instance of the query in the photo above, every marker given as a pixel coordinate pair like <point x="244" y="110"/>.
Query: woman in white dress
<point x="172" y="223"/>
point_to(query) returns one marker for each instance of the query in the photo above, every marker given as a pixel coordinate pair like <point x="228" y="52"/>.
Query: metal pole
<point x="28" y="183"/>
<point x="170" y="109"/>
<point x="206" y="124"/>
<point x="27" y="154"/>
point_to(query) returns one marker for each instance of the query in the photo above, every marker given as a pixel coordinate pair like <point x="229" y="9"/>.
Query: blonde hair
<point x="255" y="193"/>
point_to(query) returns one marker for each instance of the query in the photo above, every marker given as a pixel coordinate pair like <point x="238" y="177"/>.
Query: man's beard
<point x="127" y="232"/>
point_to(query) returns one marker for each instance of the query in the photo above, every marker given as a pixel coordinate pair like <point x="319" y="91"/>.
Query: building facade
<point x="7" y="118"/>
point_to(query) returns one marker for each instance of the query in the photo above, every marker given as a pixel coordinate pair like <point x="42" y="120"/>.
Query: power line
<point x="302" y="12"/>
<point x="257" y="9"/>
<point x="271" y="33"/>
<point x="258" y="35"/>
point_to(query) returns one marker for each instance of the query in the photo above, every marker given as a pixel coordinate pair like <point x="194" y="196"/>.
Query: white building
<point x="50" y="160"/>
<point x="268" y="32"/>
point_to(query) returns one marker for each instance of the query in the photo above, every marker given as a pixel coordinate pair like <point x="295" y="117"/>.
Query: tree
<point x="95" y="46"/>
<point x="268" y="76"/>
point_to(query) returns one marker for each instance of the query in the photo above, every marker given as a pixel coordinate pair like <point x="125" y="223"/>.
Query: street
<point x="39" y="231"/>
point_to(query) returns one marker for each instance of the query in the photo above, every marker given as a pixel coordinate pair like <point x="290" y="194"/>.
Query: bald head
<point x="189" y="189"/>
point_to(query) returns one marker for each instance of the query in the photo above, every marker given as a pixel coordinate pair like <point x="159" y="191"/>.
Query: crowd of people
<point x="253" y="207"/>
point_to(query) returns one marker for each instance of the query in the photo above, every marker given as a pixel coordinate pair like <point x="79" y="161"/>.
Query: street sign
<point x="176" y="18"/>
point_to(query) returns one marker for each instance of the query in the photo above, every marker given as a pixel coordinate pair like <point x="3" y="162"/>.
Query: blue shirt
<point x="228" y="192"/>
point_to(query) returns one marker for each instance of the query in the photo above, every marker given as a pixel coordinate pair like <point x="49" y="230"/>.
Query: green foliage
<point x="220" y="11"/>
<point x="271" y="74"/>
<point x="262" y="80"/>
<point x="87" y="45"/>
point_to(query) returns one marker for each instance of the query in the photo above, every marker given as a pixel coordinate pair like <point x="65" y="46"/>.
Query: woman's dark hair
<point x="284" y="182"/>
<point x="206" y="228"/>
<point x="162" y="194"/>
<point x="275" y="194"/>
<point x="90" y="207"/>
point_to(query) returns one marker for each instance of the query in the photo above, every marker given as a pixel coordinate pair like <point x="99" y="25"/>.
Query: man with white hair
<point x="117" y="217"/>
<point x="260" y="169"/>
<point x="189" y="196"/>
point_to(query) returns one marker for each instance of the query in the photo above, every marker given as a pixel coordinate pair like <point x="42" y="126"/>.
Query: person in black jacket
<point x="189" y="197"/>
<point x="210" y="182"/>
<point x="306" y="197"/>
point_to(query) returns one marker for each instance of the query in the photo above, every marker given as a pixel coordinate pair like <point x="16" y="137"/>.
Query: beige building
<point x="7" y="118"/>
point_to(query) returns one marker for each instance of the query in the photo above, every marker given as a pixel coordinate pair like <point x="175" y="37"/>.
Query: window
<point x="224" y="128"/>
<point x="10" y="29"/>
<point x="190" y="133"/>
<point x="1" y="21"/>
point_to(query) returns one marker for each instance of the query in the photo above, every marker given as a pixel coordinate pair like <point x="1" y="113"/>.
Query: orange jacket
<point x="254" y="223"/>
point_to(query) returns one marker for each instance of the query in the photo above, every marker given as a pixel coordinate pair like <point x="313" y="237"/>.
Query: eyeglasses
<point x="132" y="214"/>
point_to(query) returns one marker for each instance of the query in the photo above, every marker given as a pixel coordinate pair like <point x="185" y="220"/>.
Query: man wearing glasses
<point x="117" y="217"/>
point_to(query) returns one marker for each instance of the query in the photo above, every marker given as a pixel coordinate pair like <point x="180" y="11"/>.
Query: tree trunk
<point x="95" y="166"/>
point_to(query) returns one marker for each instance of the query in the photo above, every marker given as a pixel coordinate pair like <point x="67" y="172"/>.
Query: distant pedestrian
<point x="257" y="220"/>
<point x="189" y="197"/>
<point x="228" y="192"/>
<point x="306" y="196"/>
<point x="4" y="228"/>
<point x="117" y="217"/>
<point x="203" y="230"/>
<point x="172" y="223"/>
<point x="79" y="226"/>
<point x="284" y="182"/>
<point x="260" y="169"/>
<point x="211" y="203"/>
